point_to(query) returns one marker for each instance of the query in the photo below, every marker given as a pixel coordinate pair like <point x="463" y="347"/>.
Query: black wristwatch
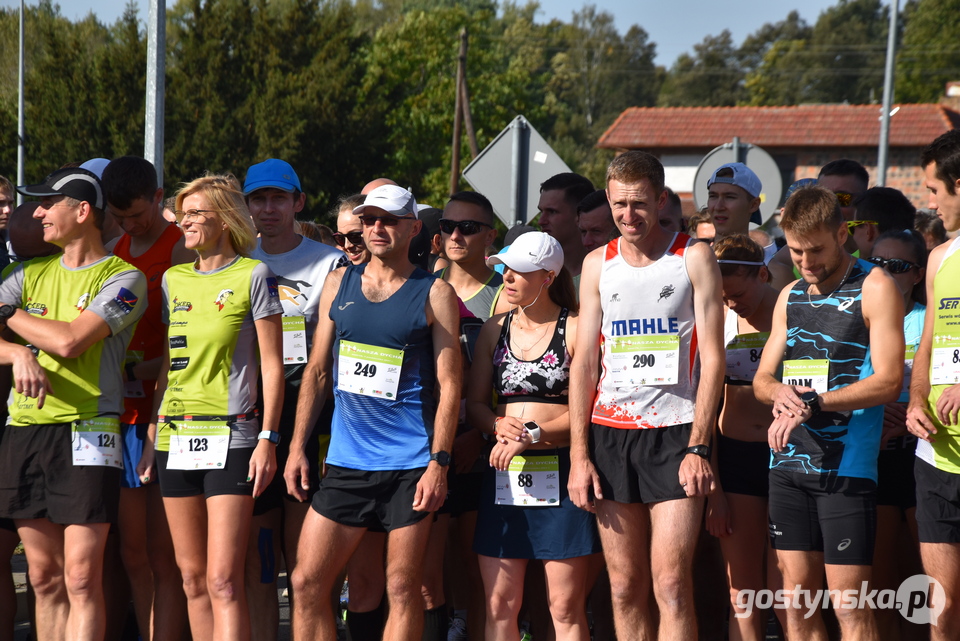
<point x="442" y="458"/>
<point x="811" y="400"/>
<point x="6" y="311"/>
<point x="703" y="451"/>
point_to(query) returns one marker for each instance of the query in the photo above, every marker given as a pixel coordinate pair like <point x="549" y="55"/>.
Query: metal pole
<point x="156" y="71"/>
<point x="518" y="167"/>
<point x="736" y="149"/>
<point x="21" y="130"/>
<point x="884" y="148"/>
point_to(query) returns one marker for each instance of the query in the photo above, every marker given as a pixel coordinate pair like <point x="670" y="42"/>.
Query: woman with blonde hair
<point x="213" y="454"/>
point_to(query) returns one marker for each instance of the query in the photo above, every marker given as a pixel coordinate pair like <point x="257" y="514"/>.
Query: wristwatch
<point x="703" y="451"/>
<point x="533" y="429"/>
<point x="269" y="435"/>
<point x="811" y="400"/>
<point x="6" y="311"/>
<point x="442" y="458"/>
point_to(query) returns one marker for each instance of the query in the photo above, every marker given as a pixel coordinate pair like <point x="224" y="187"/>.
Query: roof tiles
<point x="830" y="125"/>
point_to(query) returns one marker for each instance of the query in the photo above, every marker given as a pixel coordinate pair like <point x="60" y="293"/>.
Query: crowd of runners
<point x="206" y="392"/>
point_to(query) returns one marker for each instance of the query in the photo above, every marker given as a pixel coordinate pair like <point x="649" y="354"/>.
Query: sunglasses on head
<point x="466" y="227"/>
<point x="845" y="198"/>
<point x="355" y="238"/>
<point x="853" y="224"/>
<point x="893" y="265"/>
<point x="386" y="221"/>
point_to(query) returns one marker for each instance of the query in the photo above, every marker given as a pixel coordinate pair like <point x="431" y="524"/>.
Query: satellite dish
<point x="753" y="157"/>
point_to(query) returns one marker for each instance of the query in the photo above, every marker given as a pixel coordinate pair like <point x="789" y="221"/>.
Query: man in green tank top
<point x="935" y="396"/>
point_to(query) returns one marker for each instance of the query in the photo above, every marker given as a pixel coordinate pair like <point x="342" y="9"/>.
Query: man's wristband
<point x="703" y="451"/>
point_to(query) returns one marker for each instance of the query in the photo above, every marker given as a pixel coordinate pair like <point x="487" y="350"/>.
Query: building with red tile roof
<point x="801" y="139"/>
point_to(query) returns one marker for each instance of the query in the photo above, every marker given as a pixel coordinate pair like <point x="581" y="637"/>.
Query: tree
<point x="930" y="53"/>
<point x="712" y="77"/>
<point x="846" y="53"/>
<point x="251" y="79"/>
<point x="411" y="68"/>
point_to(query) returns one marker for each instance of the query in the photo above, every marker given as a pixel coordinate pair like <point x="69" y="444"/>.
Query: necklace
<point x="835" y="289"/>
<point x="536" y="340"/>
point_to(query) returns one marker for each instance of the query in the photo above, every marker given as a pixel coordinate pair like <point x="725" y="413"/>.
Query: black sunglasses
<point x="466" y="227"/>
<point x="355" y="238"/>
<point x="893" y="265"/>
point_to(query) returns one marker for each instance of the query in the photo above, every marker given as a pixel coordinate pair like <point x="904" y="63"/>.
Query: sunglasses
<point x="386" y="221"/>
<point x="466" y="227"/>
<point x="853" y="224"/>
<point x="893" y="265"/>
<point x="355" y="238"/>
<point x="845" y="198"/>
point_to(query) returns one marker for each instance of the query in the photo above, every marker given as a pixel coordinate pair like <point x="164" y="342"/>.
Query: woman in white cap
<point x="525" y="513"/>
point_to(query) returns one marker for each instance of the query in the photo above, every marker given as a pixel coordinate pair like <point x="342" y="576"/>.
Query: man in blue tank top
<point x="838" y="335"/>
<point x="387" y="336"/>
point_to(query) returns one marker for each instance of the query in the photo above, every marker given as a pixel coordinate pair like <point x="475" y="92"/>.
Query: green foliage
<point x="847" y="53"/>
<point x="347" y="90"/>
<point x="710" y="78"/>
<point x="930" y="53"/>
<point x="840" y="59"/>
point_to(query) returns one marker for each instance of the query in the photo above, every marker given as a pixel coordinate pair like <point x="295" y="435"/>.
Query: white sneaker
<point x="458" y="630"/>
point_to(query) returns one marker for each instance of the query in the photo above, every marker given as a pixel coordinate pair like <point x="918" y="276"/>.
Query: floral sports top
<point x="544" y="380"/>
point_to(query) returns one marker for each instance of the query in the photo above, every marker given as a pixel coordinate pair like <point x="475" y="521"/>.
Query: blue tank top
<point x="377" y="434"/>
<point x="831" y="327"/>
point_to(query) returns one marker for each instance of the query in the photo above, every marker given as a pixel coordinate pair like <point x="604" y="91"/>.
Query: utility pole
<point x="21" y="129"/>
<point x="461" y="116"/>
<point x="458" y="115"/>
<point x="884" y="147"/>
<point x="156" y="72"/>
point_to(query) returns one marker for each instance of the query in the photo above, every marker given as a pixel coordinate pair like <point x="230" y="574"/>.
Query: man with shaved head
<point x="373" y="184"/>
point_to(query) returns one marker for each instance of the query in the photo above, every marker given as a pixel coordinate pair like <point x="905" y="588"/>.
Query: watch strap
<point x="703" y="451"/>
<point x="269" y="435"/>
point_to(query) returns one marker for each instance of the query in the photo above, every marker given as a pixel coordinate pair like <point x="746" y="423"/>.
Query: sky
<point x="674" y="26"/>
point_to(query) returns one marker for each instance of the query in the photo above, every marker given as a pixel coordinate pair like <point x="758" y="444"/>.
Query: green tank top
<point x="944" y="454"/>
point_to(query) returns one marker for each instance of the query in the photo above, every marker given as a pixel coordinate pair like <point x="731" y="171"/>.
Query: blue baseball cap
<point x="271" y="173"/>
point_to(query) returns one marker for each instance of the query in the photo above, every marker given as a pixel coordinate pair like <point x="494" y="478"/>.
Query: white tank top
<point x="648" y="341"/>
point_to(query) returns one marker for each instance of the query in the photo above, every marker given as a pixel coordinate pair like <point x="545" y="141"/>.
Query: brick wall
<point x="903" y="169"/>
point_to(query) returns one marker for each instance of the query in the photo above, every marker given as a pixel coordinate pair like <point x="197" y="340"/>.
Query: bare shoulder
<point x="335" y="277"/>
<point x="441" y="292"/>
<point x="442" y="303"/>
<point x="879" y="287"/>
